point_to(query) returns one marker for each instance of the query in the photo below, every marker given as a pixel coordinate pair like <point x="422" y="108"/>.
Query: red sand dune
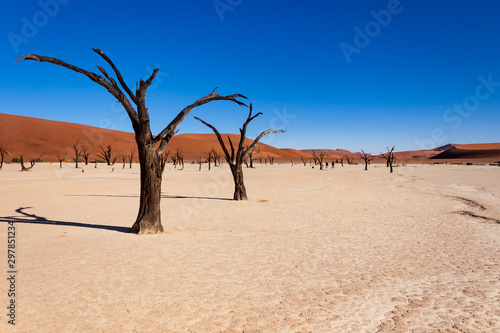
<point x="32" y="136"/>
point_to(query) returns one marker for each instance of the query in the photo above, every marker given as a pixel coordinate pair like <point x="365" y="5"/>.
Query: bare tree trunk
<point x="149" y="217"/>
<point x="240" y="192"/>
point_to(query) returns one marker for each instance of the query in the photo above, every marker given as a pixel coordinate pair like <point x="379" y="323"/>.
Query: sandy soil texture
<point x="342" y="250"/>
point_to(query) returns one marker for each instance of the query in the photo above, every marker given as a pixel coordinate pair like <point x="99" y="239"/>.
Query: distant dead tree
<point x="163" y="160"/>
<point x="255" y="151"/>
<point x="304" y="160"/>
<point x="235" y="159"/>
<point x="78" y="153"/>
<point x="107" y="155"/>
<point x="199" y="161"/>
<point x="131" y="157"/>
<point x="124" y="160"/>
<point x="319" y="159"/>
<point x="349" y="159"/>
<point x="61" y="160"/>
<point x="271" y="159"/>
<point x="32" y="163"/>
<point x="178" y="158"/>
<point x="3" y="151"/>
<point x="342" y="161"/>
<point x="216" y="156"/>
<point x="366" y="157"/>
<point x="86" y="155"/>
<point x="389" y="157"/>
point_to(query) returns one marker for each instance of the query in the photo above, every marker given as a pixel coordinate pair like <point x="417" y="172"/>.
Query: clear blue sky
<point x="334" y="74"/>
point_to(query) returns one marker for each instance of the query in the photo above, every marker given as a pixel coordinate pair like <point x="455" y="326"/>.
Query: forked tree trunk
<point x="149" y="217"/>
<point x="240" y="192"/>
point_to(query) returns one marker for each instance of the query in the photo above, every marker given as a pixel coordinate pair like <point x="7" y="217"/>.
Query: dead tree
<point x="342" y="161"/>
<point x="78" y="152"/>
<point x="3" y="151"/>
<point x="366" y="157"/>
<point x="124" y="160"/>
<point x="235" y="159"/>
<point x="178" y="158"/>
<point x="271" y="159"/>
<point x="149" y="147"/>
<point x="319" y="159"/>
<point x="216" y="156"/>
<point x="32" y="163"/>
<point x="86" y="154"/>
<point x="199" y="161"/>
<point x="303" y="160"/>
<point x="255" y="151"/>
<point x="107" y="155"/>
<point x="389" y="157"/>
<point x="163" y="160"/>
<point x="61" y="160"/>
<point x="131" y="157"/>
<point x="349" y="160"/>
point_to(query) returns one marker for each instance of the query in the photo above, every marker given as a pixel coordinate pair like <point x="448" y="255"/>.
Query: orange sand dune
<point x="30" y="137"/>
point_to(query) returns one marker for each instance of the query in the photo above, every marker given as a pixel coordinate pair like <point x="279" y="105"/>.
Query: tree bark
<point x="240" y="192"/>
<point x="149" y="216"/>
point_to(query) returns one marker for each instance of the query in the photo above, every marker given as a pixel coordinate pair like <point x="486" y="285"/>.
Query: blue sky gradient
<point x="333" y="74"/>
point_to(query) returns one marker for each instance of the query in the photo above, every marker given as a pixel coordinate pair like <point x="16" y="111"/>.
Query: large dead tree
<point x="389" y="157"/>
<point x="235" y="159"/>
<point x="78" y="153"/>
<point x="366" y="157"/>
<point x="149" y="146"/>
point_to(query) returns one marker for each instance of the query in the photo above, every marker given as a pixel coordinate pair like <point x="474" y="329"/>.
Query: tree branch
<point x="221" y="142"/>
<point x="92" y="76"/>
<point x="170" y="129"/>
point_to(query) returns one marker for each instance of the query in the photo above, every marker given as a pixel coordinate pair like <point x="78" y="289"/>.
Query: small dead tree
<point x="32" y="163"/>
<point x="61" y="160"/>
<point x="3" y="151"/>
<point x="199" y="161"/>
<point x="235" y="159"/>
<point x="319" y="159"/>
<point x="163" y="160"/>
<point x="86" y="155"/>
<point x="178" y="158"/>
<point x="304" y="160"/>
<point x="342" y="161"/>
<point x="349" y="160"/>
<point x="366" y="157"/>
<point x="389" y="157"/>
<point x="271" y="159"/>
<point x="78" y="153"/>
<point x="124" y="160"/>
<point x="216" y="156"/>
<point x="255" y="151"/>
<point x="131" y="157"/>
<point x="107" y="155"/>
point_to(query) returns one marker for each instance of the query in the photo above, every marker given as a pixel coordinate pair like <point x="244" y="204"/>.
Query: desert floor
<point x="341" y="250"/>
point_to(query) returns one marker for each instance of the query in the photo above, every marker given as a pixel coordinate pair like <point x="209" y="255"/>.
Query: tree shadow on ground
<point x="24" y="217"/>
<point x="164" y="196"/>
